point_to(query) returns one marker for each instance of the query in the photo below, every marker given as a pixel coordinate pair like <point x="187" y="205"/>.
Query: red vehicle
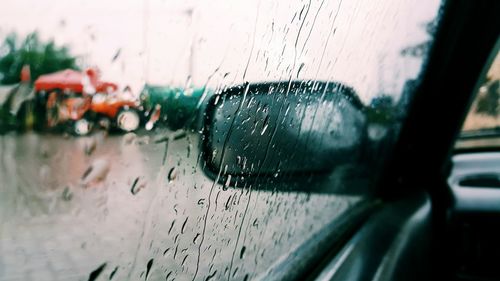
<point x="81" y="99"/>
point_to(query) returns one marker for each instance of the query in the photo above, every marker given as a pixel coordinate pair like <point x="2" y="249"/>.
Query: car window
<point x="481" y="128"/>
<point x="194" y="140"/>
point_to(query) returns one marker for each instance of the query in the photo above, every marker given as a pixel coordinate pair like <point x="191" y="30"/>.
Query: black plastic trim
<point x="392" y="245"/>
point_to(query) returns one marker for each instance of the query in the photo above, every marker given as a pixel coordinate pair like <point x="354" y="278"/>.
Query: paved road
<point x="70" y="207"/>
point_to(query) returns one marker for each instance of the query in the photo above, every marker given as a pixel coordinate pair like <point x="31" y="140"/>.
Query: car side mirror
<point x="282" y="129"/>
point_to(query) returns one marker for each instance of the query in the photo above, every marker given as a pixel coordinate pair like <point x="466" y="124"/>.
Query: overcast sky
<point x="232" y="41"/>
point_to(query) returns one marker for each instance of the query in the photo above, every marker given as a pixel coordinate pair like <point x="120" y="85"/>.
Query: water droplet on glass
<point x="227" y="183"/>
<point x="96" y="172"/>
<point x="265" y="125"/>
<point x="137" y="186"/>
<point x="171" y="226"/>
<point x="184" y="260"/>
<point x="184" y="225"/>
<point x="116" y="55"/>
<point x="196" y="238"/>
<point x="113" y="273"/>
<point x="172" y="174"/>
<point x="242" y="252"/>
<point x="94" y="274"/>
<point x="67" y="195"/>
<point x="300" y="68"/>
<point x="209" y="277"/>
<point x="129" y="138"/>
<point x="44" y="150"/>
<point x="89" y="146"/>
<point x="143" y="140"/>
<point x="179" y="135"/>
<point x="148" y="268"/>
<point x="166" y="251"/>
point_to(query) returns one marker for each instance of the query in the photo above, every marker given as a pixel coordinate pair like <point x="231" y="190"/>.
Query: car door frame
<point x="467" y="33"/>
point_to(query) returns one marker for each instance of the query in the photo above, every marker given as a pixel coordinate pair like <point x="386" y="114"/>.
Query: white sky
<point x="159" y="40"/>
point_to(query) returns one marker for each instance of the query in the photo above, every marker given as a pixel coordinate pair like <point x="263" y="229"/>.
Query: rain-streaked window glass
<point x="481" y="129"/>
<point x="195" y="140"/>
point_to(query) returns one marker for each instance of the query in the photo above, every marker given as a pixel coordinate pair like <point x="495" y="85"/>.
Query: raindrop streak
<point x="171" y="226"/>
<point x="172" y="175"/>
<point x="166" y="251"/>
<point x="133" y="190"/>
<point x="299" y="32"/>
<point x="94" y="274"/>
<point x="166" y="152"/>
<point x="180" y="135"/>
<point x="300" y="68"/>
<point x="168" y="275"/>
<point x="87" y="172"/>
<point x="117" y="54"/>
<point x="96" y="172"/>
<point x="195" y="238"/>
<point x="242" y="253"/>
<point x="211" y="276"/>
<point x="311" y="29"/>
<point x="227" y="183"/>
<point x="226" y="206"/>
<point x="205" y="218"/>
<point x="268" y="146"/>
<point x="148" y="268"/>
<point x="184" y="260"/>
<point x="184" y="226"/>
<point x="113" y="273"/>
<point x="175" y="252"/>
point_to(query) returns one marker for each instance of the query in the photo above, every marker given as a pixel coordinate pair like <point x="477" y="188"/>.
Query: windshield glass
<point x="482" y="126"/>
<point x="195" y="140"/>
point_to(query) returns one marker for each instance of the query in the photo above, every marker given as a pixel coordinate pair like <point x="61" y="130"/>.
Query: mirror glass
<point x="283" y="128"/>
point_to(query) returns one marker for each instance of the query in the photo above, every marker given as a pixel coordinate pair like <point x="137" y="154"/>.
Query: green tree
<point x="42" y="57"/>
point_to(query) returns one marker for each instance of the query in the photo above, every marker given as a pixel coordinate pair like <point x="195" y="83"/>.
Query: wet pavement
<point x="131" y="208"/>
